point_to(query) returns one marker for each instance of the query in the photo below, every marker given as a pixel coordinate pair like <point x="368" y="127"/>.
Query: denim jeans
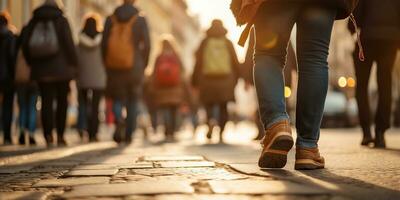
<point x="273" y="25"/>
<point x="27" y="99"/>
<point x="131" y="113"/>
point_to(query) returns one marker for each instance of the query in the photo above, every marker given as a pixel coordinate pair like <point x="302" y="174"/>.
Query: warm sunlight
<point x="207" y="10"/>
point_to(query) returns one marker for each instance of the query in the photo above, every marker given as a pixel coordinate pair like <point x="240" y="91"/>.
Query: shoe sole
<point x="276" y="154"/>
<point x="308" y="164"/>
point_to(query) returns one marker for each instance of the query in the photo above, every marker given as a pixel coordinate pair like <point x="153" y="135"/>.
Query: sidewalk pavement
<point x="195" y="169"/>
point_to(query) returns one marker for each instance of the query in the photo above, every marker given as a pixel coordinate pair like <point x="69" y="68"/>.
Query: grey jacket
<point x="91" y="70"/>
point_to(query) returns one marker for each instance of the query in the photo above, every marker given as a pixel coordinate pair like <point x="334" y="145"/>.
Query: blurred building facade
<point x="164" y="17"/>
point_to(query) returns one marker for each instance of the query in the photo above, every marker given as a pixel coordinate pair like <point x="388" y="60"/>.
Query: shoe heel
<point x="276" y="155"/>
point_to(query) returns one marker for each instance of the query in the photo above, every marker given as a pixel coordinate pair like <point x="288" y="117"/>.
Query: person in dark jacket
<point x="273" y="24"/>
<point x="215" y="75"/>
<point x="124" y="86"/>
<point x="52" y="72"/>
<point x="91" y="79"/>
<point x="380" y="36"/>
<point x="7" y="63"/>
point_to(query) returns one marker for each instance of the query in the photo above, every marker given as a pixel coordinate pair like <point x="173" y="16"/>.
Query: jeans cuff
<point x="306" y="143"/>
<point x="275" y="119"/>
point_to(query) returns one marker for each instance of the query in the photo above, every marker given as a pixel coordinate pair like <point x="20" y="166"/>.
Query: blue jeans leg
<point x="132" y="113"/>
<point x="314" y="27"/>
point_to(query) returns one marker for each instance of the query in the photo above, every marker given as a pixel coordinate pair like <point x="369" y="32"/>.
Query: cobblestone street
<point x="195" y="169"/>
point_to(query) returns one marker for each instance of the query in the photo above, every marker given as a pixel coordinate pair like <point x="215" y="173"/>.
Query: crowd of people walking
<point x="43" y="60"/>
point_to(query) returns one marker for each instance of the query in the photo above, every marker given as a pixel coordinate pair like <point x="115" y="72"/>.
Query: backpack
<point x="43" y="42"/>
<point x="168" y="71"/>
<point x="216" y="57"/>
<point x="245" y="11"/>
<point x="120" y="49"/>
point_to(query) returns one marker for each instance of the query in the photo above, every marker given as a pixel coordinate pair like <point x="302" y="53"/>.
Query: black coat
<point x="7" y="54"/>
<point x="62" y="66"/>
<point x="379" y="19"/>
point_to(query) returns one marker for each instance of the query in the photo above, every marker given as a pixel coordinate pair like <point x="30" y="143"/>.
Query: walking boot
<point x="380" y="139"/>
<point x="118" y="133"/>
<point x="49" y="140"/>
<point x="276" y="144"/>
<point x="60" y="141"/>
<point x="308" y="159"/>
<point x="367" y="138"/>
<point x="21" y="139"/>
<point x="210" y="132"/>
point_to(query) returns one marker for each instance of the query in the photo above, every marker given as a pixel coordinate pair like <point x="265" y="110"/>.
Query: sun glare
<point x="207" y="10"/>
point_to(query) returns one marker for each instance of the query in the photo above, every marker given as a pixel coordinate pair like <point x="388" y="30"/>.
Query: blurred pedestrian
<point x="168" y="87"/>
<point x="126" y="48"/>
<point x="91" y="79"/>
<point x="273" y="24"/>
<point x="50" y="51"/>
<point x="7" y="63"/>
<point x="380" y="36"/>
<point x="27" y="95"/>
<point x="215" y="75"/>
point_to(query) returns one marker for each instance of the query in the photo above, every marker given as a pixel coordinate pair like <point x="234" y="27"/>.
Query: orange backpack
<point x="120" y="49"/>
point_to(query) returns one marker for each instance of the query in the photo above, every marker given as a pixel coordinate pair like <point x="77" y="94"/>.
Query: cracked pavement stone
<point x="173" y="158"/>
<point x="23" y="195"/>
<point x="100" y="172"/>
<point x="95" y="167"/>
<point x="65" y="182"/>
<point x="186" y="164"/>
<point x="132" y="188"/>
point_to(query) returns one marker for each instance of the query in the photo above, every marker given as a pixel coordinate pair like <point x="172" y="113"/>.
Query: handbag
<point x="22" y="70"/>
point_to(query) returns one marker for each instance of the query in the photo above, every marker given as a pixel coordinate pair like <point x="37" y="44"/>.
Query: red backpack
<point x="167" y="71"/>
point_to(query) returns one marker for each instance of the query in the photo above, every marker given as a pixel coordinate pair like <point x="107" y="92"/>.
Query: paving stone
<point x="23" y="195"/>
<point x="132" y="188"/>
<point x="206" y="197"/>
<point x="47" y="169"/>
<point x="253" y="169"/>
<point x="14" y="169"/>
<point x="145" y="165"/>
<point x="263" y="187"/>
<point x="174" y="158"/>
<point x="65" y="182"/>
<point x="102" y="172"/>
<point x="117" y="159"/>
<point x="186" y="164"/>
<point x="95" y="167"/>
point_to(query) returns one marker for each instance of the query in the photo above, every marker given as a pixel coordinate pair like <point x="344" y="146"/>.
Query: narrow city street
<point x="197" y="169"/>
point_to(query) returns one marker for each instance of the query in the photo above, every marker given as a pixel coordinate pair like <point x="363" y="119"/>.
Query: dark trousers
<point x="218" y="112"/>
<point x="169" y="119"/>
<point x="89" y="101"/>
<point x="7" y="91"/>
<point x="384" y="54"/>
<point x="51" y="93"/>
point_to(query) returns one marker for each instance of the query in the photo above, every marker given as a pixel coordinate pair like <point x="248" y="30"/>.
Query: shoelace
<point x="360" y="47"/>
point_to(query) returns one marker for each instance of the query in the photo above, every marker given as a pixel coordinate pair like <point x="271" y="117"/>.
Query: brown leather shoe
<point x="308" y="159"/>
<point x="276" y="143"/>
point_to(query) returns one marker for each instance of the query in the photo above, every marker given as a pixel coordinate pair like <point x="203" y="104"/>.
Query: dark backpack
<point x="43" y="42"/>
<point x="168" y="71"/>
